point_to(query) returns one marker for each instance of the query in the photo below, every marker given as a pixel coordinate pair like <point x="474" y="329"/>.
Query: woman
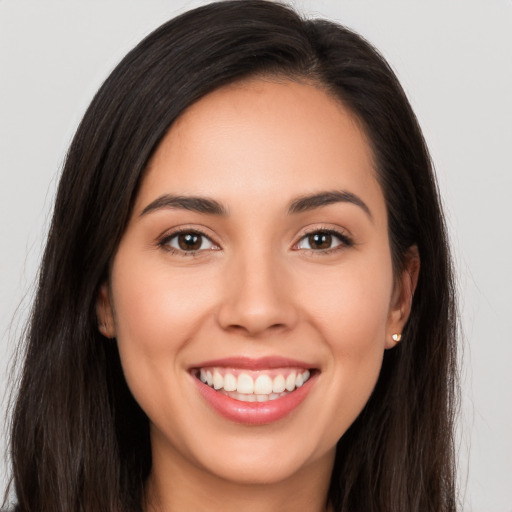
<point x="246" y="299"/>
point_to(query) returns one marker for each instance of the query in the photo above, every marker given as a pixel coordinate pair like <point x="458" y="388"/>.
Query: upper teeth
<point x="258" y="383"/>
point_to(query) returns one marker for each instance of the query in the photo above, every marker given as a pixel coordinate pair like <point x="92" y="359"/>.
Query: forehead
<point x="263" y="139"/>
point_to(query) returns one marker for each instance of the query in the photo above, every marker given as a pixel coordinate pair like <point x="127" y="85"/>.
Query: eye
<point x="323" y="241"/>
<point x="187" y="242"/>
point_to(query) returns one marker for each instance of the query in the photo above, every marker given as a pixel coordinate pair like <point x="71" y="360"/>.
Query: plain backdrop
<point x="454" y="59"/>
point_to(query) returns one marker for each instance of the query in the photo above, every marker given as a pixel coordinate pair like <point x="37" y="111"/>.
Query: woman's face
<point x="256" y="258"/>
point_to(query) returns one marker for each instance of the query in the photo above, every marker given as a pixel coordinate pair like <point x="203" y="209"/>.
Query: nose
<point x="258" y="297"/>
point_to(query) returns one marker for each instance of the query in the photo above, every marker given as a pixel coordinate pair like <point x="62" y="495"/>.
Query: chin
<point x="257" y="470"/>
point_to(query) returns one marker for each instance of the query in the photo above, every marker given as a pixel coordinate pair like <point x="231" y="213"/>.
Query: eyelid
<point x="345" y="239"/>
<point x="164" y="239"/>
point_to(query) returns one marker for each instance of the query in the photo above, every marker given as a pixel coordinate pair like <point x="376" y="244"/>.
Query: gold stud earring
<point x="396" y="337"/>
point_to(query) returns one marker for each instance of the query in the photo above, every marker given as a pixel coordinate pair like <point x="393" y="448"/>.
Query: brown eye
<point x="320" y="240"/>
<point x="189" y="241"/>
<point x="324" y="241"/>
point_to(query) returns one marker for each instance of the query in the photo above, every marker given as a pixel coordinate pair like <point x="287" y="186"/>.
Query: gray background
<point x="455" y="61"/>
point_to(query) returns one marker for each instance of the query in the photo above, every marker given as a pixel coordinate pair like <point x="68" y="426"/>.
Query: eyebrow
<point x="191" y="203"/>
<point x="311" y="202"/>
<point x="213" y="207"/>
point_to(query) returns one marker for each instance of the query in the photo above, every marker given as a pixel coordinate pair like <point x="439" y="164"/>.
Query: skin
<point x="255" y="288"/>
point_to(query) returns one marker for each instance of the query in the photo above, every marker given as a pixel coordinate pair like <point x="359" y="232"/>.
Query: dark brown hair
<point x="79" y="440"/>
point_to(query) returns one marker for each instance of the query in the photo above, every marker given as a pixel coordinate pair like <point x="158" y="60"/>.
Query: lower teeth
<point x="252" y="397"/>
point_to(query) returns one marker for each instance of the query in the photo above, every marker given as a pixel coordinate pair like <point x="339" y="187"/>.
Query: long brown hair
<point x="79" y="440"/>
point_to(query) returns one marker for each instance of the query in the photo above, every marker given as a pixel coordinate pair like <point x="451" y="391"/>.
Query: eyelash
<point x="164" y="242"/>
<point x="345" y="241"/>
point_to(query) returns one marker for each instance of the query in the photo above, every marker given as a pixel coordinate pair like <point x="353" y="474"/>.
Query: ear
<point x="403" y="293"/>
<point x="104" y="313"/>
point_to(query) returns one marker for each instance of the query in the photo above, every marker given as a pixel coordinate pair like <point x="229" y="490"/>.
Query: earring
<point x="396" y="337"/>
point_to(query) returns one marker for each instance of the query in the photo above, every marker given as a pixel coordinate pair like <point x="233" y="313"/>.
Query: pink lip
<point x="254" y="413"/>
<point x="247" y="363"/>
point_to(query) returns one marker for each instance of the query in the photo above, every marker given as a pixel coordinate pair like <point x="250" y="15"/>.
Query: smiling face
<point x="256" y="259"/>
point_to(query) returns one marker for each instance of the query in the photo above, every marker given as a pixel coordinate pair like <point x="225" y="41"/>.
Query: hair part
<point x="79" y="440"/>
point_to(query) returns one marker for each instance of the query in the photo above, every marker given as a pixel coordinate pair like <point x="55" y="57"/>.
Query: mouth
<point x="253" y="386"/>
<point x="254" y="392"/>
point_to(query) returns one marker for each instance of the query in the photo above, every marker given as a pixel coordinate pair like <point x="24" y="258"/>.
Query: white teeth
<point x="278" y="384"/>
<point x="254" y="398"/>
<point x="229" y="382"/>
<point x="245" y="384"/>
<point x="244" y="387"/>
<point x="263" y="385"/>
<point x="290" y="382"/>
<point x="218" y="381"/>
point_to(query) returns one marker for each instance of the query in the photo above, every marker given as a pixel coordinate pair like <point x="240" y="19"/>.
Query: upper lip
<point x="248" y="363"/>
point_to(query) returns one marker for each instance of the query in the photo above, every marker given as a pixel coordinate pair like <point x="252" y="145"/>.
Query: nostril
<point x="254" y="329"/>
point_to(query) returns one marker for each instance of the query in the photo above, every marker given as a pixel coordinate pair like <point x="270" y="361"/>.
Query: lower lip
<point x="255" y="413"/>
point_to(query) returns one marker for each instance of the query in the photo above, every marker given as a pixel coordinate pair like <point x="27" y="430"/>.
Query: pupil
<point x="189" y="242"/>
<point x="320" y="240"/>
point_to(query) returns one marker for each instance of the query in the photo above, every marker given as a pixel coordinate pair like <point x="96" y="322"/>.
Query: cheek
<point x="150" y="294"/>
<point x="351" y="317"/>
<point x="351" y="307"/>
<point x="156" y="314"/>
